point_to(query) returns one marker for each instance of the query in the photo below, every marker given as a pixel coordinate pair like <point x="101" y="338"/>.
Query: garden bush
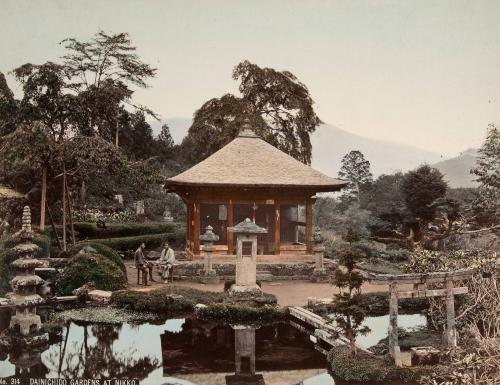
<point x="364" y="367"/>
<point x="165" y="300"/>
<point x="99" y="248"/>
<point x="114" y="230"/>
<point x="97" y="269"/>
<point x="151" y="241"/>
<point x="245" y="314"/>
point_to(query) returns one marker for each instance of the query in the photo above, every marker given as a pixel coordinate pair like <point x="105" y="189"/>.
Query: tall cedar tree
<point x="347" y="309"/>
<point x="487" y="170"/>
<point x="420" y="188"/>
<point x="276" y="104"/>
<point x="355" y="169"/>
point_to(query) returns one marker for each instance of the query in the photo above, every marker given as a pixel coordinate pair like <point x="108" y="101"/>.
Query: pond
<point x="184" y="351"/>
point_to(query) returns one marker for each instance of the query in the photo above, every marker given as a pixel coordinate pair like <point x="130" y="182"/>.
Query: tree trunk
<point x="44" y="198"/>
<point x="64" y="207"/>
<point x="83" y="192"/>
<point x="68" y="197"/>
<point x="54" y="227"/>
<point x="117" y="130"/>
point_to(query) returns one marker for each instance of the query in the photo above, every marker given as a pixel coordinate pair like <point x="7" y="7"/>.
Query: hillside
<point x="457" y="170"/>
<point x="331" y="143"/>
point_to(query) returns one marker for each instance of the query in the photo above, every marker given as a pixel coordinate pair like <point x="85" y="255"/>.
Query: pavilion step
<point x="263" y="275"/>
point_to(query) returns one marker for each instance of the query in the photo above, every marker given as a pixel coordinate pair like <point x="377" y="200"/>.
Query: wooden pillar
<point x="309" y="225"/>
<point x="230" y="223"/>
<point x="451" y="331"/>
<point x="188" y="225"/>
<point x="196" y="228"/>
<point x="394" y="350"/>
<point x="277" y="227"/>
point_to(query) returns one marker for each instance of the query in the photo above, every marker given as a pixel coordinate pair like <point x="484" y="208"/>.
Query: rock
<point x="100" y="296"/>
<point x="199" y="306"/>
<point x="424" y="355"/>
<point x="87" y="250"/>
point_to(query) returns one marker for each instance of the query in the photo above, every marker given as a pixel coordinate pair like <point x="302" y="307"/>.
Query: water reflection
<point x="183" y="351"/>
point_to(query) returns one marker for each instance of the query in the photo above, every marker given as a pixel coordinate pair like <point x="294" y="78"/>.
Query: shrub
<point x="165" y="300"/>
<point x="100" y="249"/>
<point x="363" y="367"/>
<point x="234" y="314"/>
<point x="95" y="268"/>
<point x="114" y="230"/>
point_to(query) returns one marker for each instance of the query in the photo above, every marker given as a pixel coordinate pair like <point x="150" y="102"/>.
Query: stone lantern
<point x="319" y="272"/>
<point x="246" y="265"/>
<point x="26" y="322"/>
<point x="208" y="239"/>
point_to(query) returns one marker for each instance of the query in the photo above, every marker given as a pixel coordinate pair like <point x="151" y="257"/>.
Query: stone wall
<point x="279" y="271"/>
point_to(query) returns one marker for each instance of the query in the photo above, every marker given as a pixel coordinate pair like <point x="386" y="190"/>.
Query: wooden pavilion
<point x="250" y="178"/>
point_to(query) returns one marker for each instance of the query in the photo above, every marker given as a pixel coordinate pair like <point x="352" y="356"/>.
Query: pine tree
<point x="356" y="170"/>
<point x="349" y="314"/>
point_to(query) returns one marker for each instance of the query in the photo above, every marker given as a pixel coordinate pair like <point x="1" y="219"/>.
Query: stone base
<point x="424" y="355"/>
<point x="251" y="291"/>
<point x="248" y="296"/>
<point x="209" y="276"/>
<point x="319" y="275"/>
<point x="245" y="379"/>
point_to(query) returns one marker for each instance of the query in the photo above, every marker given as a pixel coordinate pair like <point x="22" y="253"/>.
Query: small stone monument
<point x="246" y="265"/>
<point x="26" y="323"/>
<point x="208" y="239"/>
<point x="319" y="273"/>
<point x="167" y="216"/>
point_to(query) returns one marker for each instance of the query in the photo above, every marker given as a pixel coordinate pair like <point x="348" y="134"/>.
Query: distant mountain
<point x="457" y="170"/>
<point x="331" y="143"/>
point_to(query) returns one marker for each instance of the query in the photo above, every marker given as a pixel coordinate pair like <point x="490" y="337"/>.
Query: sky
<point x="420" y="72"/>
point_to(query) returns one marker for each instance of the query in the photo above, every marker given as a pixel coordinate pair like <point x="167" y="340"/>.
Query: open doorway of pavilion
<point x="290" y="219"/>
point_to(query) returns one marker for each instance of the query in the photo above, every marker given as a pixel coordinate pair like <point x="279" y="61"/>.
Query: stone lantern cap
<point x="247" y="227"/>
<point x="209" y="235"/>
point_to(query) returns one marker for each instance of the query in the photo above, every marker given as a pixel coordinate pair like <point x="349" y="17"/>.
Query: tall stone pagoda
<point x="26" y="323"/>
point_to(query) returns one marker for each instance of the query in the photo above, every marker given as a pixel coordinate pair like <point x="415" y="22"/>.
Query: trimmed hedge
<point x="165" y="300"/>
<point x="152" y="241"/>
<point x="245" y="314"/>
<point x="100" y="249"/>
<point x="7" y="256"/>
<point x="115" y="230"/>
<point x="94" y="268"/>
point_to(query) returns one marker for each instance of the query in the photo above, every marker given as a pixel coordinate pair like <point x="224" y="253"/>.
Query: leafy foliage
<point x="348" y="313"/>
<point x="420" y="188"/>
<point x="97" y="269"/>
<point x="275" y="103"/>
<point x="487" y="203"/>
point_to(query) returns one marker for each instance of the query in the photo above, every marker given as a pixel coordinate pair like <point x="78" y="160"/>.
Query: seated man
<point x="143" y="266"/>
<point x="166" y="262"/>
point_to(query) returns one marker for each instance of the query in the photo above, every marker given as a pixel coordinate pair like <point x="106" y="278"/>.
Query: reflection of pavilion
<point x="204" y="352"/>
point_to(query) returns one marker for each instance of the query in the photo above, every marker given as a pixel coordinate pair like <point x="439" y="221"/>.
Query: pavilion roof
<point x="8" y="193"/>
<point x="252" y="162"/>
